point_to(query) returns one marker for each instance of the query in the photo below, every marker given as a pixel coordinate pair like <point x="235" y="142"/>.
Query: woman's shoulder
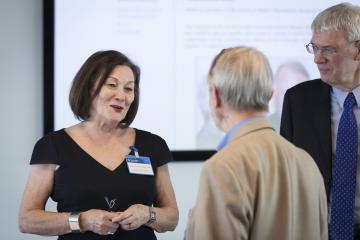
<point x="52" y="135"/>
<point x="153" y="145"/>
<point x="54" y="139"/>
<point x="147" y="136"/>
<point x="47" y="148"/>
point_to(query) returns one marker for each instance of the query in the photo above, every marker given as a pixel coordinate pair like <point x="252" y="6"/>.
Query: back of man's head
<point x="243" y="78"/>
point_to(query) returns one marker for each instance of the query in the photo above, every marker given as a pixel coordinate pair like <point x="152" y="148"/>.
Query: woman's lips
<point x="117" y="108"/>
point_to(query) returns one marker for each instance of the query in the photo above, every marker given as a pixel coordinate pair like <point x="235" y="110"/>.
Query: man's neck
<point x="234" y="117"/>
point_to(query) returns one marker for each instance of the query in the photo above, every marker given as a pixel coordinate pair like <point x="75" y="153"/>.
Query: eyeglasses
<point x="327" y="50"/>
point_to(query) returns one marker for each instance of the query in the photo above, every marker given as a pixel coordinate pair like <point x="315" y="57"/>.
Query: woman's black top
<point x="81" y="183"/>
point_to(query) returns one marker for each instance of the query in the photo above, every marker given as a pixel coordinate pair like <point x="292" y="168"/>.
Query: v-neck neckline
<point x="94" y="159"/>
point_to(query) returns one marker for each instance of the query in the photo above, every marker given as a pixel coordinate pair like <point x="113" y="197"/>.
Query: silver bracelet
<point x="74" y="222"/>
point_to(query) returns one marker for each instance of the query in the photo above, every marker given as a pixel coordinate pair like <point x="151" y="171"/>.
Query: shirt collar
<point x="341" y="95"/>
<point x="232" y="131"/>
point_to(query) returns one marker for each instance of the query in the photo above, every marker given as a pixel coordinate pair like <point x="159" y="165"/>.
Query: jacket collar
<point x="250" y="127"/>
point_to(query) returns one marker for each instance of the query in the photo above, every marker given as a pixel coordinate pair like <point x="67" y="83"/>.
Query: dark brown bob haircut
<point x="92" y="76"/>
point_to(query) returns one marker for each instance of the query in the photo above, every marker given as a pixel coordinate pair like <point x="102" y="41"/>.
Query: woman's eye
<point x="129" y="89"/>
<point x="111" y="85"/>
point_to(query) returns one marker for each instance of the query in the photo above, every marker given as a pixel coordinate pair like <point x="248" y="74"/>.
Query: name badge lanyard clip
<point x="135" y="150"/>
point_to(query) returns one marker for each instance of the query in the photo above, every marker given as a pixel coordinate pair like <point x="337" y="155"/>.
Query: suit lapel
<point x="321" y="118"/>
<point x="320" y="104"/>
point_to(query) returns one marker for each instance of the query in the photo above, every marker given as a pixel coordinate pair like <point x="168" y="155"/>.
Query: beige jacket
<point x="259" y="187"/>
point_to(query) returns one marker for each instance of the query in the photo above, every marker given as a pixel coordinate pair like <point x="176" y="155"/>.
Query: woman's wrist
<point x="152" y="215"/>
<point x="74" y="222"/>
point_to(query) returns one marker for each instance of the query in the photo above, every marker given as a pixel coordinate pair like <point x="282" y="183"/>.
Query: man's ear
<point x="271" y="95"/>
<point x="215" y="97"/>
<point x="357" y="45"/>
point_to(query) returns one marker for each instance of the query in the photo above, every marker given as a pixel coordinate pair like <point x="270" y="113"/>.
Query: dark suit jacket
<point x="306" y="122"/>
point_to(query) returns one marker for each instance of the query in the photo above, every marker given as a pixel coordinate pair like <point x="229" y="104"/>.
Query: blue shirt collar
<point x="232" y="131"/>
<point x="340" y="95"/>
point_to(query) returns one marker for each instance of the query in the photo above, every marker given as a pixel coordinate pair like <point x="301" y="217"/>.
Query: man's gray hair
<point x="341" y="17"/>
<point x="243" y="78"/>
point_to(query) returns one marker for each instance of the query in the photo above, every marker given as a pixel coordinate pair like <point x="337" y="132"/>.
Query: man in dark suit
<point x="312" y="110"/>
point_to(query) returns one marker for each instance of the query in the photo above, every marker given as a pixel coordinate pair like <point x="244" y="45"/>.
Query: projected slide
<point x="173" y="42"/>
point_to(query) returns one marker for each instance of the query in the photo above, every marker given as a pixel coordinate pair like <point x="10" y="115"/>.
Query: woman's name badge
<point x="139" y="165"/>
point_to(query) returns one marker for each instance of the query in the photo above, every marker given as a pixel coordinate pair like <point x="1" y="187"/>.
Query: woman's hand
<point x="133" y="217"/>
<point x="98" y="221"/>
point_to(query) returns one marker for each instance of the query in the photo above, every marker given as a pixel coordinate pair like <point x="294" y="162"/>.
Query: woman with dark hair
<point x="110" y="181"/>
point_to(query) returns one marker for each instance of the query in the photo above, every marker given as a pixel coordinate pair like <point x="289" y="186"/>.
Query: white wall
<point x="21" y="117"/>
<point x="185" y="179"/>
<point x="20" y="102"/>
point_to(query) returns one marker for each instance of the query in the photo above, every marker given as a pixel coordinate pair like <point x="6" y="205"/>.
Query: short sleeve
<point x="44" y="152"/>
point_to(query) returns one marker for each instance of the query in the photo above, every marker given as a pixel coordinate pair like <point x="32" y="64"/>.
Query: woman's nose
<point x="120" y="95"/>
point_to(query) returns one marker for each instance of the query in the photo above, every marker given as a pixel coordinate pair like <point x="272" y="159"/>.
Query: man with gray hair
<point x="322" y="116"/>
<point x="258" y="185"/>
